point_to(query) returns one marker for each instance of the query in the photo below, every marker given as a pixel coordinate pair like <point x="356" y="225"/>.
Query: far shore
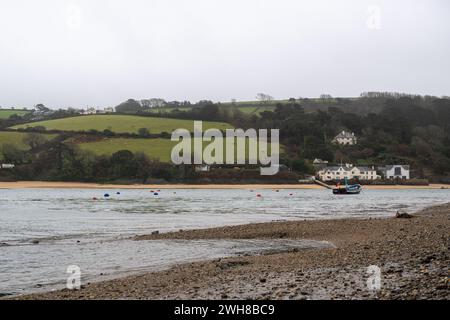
<point x="85" y="185"/>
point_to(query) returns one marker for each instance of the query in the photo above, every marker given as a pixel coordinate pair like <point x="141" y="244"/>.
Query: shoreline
<point x="86" y="185"/>
<point x="412" y="255"/>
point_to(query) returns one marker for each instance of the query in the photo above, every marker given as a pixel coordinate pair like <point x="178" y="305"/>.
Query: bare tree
<point x="264" y="98"/>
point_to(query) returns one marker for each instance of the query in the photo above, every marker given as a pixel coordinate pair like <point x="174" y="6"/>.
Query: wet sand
<point x="84" y="185"/>
<point x="412" y="254"/>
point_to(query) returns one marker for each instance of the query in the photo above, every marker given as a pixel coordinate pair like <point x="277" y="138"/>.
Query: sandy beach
<point x="84" y="185"/>
<point x="412" y="254"/>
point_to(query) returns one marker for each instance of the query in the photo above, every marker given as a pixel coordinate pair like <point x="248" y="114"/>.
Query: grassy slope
<point x="16" y="139"/>
<point x="250" y="108"/>
<point x="155" y="148"/>
<point x="121" y="123"/>
<point x="6" y="113"/>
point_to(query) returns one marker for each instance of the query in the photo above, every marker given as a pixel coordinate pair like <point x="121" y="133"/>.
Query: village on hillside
<point x="322" y="139"/>
<point x="327" y="172"/>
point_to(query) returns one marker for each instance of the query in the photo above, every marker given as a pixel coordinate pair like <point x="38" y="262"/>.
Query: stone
<point x="403" y="215"/>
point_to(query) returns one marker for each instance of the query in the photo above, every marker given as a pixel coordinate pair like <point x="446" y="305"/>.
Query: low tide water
<point x="43" y="231"/>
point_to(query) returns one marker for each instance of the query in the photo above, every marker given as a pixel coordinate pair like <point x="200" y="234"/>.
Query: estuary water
<point x="44" y="231"/>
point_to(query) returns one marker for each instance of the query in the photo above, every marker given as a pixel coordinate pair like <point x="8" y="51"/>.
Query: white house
<point x="347" y="171"/>
<point x="345" y="138"/>
<point x="395" y="172"/>
<point x="202" y="168"/>
<point x="88" y="111"/>
<point x="7" y="166"/>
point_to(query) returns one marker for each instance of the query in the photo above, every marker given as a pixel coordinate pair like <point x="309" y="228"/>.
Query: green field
<point x="247" y="108"/>
<point x="154" y="148"/>
<point x="121" y="124"/>
<point x="16" y="139"/>
<point x="255" y="109"/>
<point x="168" y="109"/>
<point x="6" y="113"/>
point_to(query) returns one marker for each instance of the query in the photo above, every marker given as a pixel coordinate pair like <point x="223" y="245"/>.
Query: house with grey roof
<point x="345" y="138"/>
<point x="319" y="164"/>
<point x="397" y="171"/>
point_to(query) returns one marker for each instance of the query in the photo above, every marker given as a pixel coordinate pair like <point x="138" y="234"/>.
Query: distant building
<point x="348" y="171"/>
<point x="345" y="138"/>
<point x="319" y="164"/>
<point x="395" y="172"/>
<point x="7" y="166"/>
<point x="88" y="111"/>
<point x="202" y="168"/>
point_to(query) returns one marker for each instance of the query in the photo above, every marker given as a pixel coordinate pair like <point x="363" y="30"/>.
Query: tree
<point x="300" y="165"/>
<point x="13" y="154"/>
<point x="34" y="140"/>
<point x="264" y="98"/>
<point x="123" y="164"/>
<point x="129" y="106"/>
<point x="153" y="103"/>
<point x="41" y="108"/>
<point x="143" y="132"/>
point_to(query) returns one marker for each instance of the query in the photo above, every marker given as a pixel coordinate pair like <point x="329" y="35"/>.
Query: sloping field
<point x="255" y="109"/>
<point x="154" y="148"/>
<point x="121" y="124"/>
<point x="16" y="139"/>
<point x="6" y="113"/>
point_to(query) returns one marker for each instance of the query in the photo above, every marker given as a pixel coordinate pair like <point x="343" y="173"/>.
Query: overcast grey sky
<point x="101" y="52"/>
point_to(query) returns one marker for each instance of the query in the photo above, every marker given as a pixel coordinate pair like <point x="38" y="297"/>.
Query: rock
<point x="428" y="259"/>
<point x="263" y="280"/>
<point x="403" y="215"/>
<point x="154" y="233"/>
<point x="35" y="242"/>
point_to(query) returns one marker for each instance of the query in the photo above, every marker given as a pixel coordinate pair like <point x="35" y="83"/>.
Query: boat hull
<point x="348" y="190"/>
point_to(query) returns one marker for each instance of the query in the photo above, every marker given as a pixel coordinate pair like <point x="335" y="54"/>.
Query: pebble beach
<point x="412" y="255"/>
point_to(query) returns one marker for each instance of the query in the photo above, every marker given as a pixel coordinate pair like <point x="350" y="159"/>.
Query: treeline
<point x="143" y="133"/>
<point x="57" y="160"/>
<point x="402" y="132"/>
<point x="60" y="161"/>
